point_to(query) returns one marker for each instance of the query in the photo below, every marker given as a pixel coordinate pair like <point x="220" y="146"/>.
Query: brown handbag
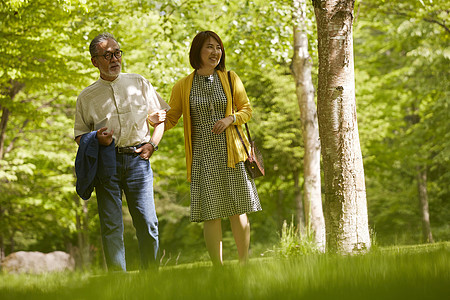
<point x="254" y="162"/>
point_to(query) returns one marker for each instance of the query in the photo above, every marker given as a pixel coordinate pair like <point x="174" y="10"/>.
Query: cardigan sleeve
<point x="176" y="104"/>
<point x="243" y="109"/>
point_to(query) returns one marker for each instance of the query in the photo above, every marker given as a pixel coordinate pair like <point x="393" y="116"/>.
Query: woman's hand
<point x="157" y="117"/>
<point x="222" y="124"/>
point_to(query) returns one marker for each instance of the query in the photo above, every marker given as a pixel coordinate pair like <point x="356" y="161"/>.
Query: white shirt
<point x="122" y="105"/>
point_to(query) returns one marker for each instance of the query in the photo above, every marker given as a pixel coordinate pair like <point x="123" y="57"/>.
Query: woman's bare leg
<point x="240" y="227"/>
<point x="212" y="231"/>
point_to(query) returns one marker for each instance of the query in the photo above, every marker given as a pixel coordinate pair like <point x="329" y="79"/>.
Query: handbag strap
<point x="232" y="108"/>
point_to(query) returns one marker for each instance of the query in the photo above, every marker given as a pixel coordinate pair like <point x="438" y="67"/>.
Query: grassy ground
<point x="419" y="272"/>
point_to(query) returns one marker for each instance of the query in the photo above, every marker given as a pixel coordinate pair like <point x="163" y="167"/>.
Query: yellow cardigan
<point x="179" y="103"/>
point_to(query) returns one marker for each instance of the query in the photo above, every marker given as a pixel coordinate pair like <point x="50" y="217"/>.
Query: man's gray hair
<point x="99" y="39"/>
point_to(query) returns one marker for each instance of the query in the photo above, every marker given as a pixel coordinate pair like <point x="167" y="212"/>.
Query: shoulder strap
<point x="232" y="108"/>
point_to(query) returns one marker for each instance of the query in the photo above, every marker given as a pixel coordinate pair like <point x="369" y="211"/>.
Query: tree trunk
<point x="300" y="212"/>
<point x="2" y="249"/>
<point x="3" y="126"/>
<point x="423" y="198"/>
<point x="12" y="243"/>
<point x="82" y="224"/>
<point x="12" y="91"/>
<point x="85" y="251"/>
<point x="280" y="214"/>
<point x="414" y="118"/>
<point x="2" y="244"/>
<point x="301" y="70"/>
<point x="345" y="196"/>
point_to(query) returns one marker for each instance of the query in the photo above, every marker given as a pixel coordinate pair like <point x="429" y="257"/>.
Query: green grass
<point x="420" y="272"/>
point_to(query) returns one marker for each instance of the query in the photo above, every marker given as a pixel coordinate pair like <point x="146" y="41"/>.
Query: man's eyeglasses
<point x="109" y="55"/>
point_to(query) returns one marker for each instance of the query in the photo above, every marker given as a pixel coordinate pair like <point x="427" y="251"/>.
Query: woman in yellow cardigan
<point x="220" y="184"/>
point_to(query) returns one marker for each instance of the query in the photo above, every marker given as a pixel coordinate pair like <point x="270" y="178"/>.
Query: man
<point x="117" y="106"/>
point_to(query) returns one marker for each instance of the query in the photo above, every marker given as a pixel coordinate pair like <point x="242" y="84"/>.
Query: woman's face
<point x="211" y="53"/>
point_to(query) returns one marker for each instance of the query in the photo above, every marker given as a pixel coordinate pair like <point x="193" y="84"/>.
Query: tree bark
<point x="300" y="212"/>
<point x="2" y="244"/>
<point x="12" y="91"/>
<point x="82" y="225"/>
<point x="2" y="249"/>
<point x="301" y="70"/>
<point x="423" y="199"/>
<point x="86" y="253"/>
<point x="3" y="126"/>
<point x="346" y="219"/>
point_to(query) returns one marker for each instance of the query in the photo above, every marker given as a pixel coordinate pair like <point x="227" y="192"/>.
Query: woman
<point x="220" y="185"/>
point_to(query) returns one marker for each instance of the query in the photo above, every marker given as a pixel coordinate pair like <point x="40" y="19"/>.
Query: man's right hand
<point x="104" y="138"/>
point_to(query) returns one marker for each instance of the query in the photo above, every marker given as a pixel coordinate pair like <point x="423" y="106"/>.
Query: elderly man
<point x="112" y="114"/>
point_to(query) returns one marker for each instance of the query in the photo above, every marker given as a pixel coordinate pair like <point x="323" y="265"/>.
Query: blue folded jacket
<point x="93" y="164"/>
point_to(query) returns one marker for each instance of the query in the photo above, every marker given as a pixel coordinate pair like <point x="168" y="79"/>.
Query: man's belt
<point x="126" y="150"/>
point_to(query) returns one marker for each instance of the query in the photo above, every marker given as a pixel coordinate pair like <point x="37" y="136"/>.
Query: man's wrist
<point x="155" y="147"/>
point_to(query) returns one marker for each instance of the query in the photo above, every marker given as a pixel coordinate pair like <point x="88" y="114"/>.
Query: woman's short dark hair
<point x="196" y="47"/>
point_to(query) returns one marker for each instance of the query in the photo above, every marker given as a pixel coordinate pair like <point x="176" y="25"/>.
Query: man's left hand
<point x="145" y="151"/>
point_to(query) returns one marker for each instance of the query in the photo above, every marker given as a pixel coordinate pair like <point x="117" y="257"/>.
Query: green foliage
<point x="401" y="56"/>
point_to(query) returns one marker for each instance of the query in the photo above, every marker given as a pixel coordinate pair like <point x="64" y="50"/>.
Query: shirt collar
<point x="110" y="82"/>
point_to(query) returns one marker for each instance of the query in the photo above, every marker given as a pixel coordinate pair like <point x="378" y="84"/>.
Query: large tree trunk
<point x="423" y="199"/>
<point x="301" y="69"/>
<point x="345" y="195"/>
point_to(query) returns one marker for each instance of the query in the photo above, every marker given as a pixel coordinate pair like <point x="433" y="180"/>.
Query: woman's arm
<point x="243" y="111"/>
<point x="174" y="114"/>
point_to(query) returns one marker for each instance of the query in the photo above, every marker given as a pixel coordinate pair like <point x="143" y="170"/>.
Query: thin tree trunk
<point x="280" y="198"/>
<point x="82" y="225"/>
<point x="12" y="243"/>
<point x="301" y="69"/>
<point x="423" y="199"/>
<point x="85" y="229"/>
<point x="345" y="195"/>
<point x="299" y="204"/>
<point x="3" y="126"/>
<point x="414" y="118"/>
<point x="2" y="244"/>
<point x="12" y="91"/>
<point x="2" y="249"/>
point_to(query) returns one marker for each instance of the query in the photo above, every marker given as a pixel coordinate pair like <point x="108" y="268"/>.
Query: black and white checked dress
<point x="217" y="191"/>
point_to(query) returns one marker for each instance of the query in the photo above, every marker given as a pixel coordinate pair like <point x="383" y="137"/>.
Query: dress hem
<point x="224" y="217"/>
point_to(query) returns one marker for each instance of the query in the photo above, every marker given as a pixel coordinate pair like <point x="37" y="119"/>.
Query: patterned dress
<point x="217" y="191"/>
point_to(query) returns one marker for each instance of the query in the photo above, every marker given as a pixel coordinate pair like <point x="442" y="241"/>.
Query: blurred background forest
<point x="402" y="60"/>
